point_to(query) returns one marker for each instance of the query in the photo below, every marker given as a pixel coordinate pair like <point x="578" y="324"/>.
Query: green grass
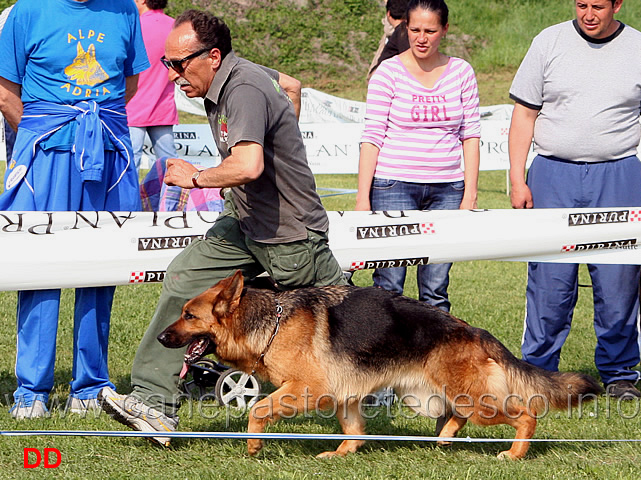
<point x="486" y="294"/>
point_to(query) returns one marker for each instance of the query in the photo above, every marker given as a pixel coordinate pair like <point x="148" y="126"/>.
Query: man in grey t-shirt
<point x="273" y="220"/>
<point x="578" y="95"/>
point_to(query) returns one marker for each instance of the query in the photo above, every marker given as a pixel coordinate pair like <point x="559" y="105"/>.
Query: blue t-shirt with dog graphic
<point x="66" y="51"/>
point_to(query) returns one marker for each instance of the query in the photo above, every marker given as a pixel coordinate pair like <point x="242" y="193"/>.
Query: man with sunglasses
<point x="273" y="220"/>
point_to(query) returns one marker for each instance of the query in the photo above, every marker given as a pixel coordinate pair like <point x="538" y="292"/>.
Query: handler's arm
<point x="366" y="167"/>
<point x="519" y="141"/>
<point x="10" y="102"/>
<point x="293" y="89"/>
<point x="244" y="165"/>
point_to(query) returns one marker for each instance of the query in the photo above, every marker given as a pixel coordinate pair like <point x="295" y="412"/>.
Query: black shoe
<point x="623" y="389"/>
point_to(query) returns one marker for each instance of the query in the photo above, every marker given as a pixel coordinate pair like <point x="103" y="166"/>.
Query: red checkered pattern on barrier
<point x="427" y="228"/>
<point x="357" y="266"/>
<point x="137" y="277"/>
<point x="635" y="215"/>
<point x="568" y="248"/>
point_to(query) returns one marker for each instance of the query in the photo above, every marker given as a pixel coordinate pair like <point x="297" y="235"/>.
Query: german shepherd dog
<point x="329" y="347"/>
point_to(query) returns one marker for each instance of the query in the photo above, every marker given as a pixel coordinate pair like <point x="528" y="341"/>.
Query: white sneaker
<point x="21" y="410"/>
<point x="82" y="406"/>
<point x="130" y="411"/>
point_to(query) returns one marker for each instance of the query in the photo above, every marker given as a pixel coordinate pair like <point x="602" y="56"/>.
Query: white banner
<point x="332" y="147"/>
<point x="76" y="249"/>
<point x="319" y="107"/>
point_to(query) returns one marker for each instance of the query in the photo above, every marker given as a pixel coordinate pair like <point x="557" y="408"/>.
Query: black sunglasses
<point x="177" y="65"/>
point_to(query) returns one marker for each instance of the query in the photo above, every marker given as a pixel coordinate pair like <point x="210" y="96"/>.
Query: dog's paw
<point x="444" y="444"/>
<point x="507" y="455"/>
<point x="254" y="446"/>
<point x="330" y="454"/>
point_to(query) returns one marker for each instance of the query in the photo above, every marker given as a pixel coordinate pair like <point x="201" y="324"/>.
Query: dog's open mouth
<point x="196" y="350"/>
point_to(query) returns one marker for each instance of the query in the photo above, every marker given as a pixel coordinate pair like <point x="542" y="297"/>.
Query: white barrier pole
<point x="79" y="249"/>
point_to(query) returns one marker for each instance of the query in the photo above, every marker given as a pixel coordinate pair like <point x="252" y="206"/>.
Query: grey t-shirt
<point x="245" y="103"/>
<point x="588" y="92"/>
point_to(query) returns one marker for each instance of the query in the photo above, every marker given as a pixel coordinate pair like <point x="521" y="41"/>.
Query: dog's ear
<point x="229" y="295"/>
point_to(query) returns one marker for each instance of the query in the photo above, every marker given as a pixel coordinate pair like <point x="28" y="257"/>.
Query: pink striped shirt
<point x="417" y="129"/>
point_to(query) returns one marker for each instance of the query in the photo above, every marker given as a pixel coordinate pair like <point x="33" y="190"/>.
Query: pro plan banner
<point x="78" y="249"/>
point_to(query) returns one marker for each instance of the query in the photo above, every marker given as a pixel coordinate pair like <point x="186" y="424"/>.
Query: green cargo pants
<point x="225" y="249"/>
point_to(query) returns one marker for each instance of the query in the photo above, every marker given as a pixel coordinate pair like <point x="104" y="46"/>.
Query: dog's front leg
<point x="352" y="423"/>
<point x="450" y="428"/>
<point x="286" y="402"/>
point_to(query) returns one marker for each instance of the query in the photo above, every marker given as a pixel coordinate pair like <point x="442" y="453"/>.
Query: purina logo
<point x="399" y="262"/>
<point x="387" y="231"/>
<point x="156" y="276"/>
<point x="629" y="244"/>
<point x="185" y="136"/>
<point x="599" y="218"/>
<point x="165" y="243"/>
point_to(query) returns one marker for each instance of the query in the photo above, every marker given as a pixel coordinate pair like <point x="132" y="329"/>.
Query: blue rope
<point x="299" y="436"/>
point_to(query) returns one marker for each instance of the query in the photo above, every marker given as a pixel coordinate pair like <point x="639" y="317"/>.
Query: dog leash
<point x="279" y="313"/>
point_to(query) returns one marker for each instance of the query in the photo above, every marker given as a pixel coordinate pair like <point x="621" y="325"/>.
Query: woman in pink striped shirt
<point x="422" y="118"/>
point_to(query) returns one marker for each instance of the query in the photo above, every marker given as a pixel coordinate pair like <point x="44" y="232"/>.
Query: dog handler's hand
<point x="179" y="173"/>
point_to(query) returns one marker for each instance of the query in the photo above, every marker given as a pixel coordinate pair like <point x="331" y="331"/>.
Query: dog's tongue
<point x="184" y="370"/>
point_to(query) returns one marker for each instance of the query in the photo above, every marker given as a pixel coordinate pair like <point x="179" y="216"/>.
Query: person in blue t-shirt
<point x="68" y="67"/>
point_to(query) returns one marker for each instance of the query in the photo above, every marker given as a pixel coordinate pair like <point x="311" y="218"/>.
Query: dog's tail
<point x="541" y="390"/>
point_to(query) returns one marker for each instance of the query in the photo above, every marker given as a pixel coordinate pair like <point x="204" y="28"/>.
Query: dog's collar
<point x="279" y="313"/>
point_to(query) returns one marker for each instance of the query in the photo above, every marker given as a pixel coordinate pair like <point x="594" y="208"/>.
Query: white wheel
<point x="237" y="389"/>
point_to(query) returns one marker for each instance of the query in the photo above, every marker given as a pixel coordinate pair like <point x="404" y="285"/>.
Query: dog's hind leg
<point x="440" y="423"/>
<point x="352" y="423"/>
<point x="517" y="417"/>
<point x="452" y="425"/>
<point x="525" y="426"/>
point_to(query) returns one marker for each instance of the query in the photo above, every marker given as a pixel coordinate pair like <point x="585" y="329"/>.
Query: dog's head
<point x="204" y="318"/>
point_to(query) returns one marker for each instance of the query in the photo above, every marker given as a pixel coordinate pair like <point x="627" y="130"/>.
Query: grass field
<point x="486" y="294"/>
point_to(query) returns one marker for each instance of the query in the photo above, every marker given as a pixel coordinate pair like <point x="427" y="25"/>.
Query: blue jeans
<point x="432" y="280"/>
<point x="162" y="141"/>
